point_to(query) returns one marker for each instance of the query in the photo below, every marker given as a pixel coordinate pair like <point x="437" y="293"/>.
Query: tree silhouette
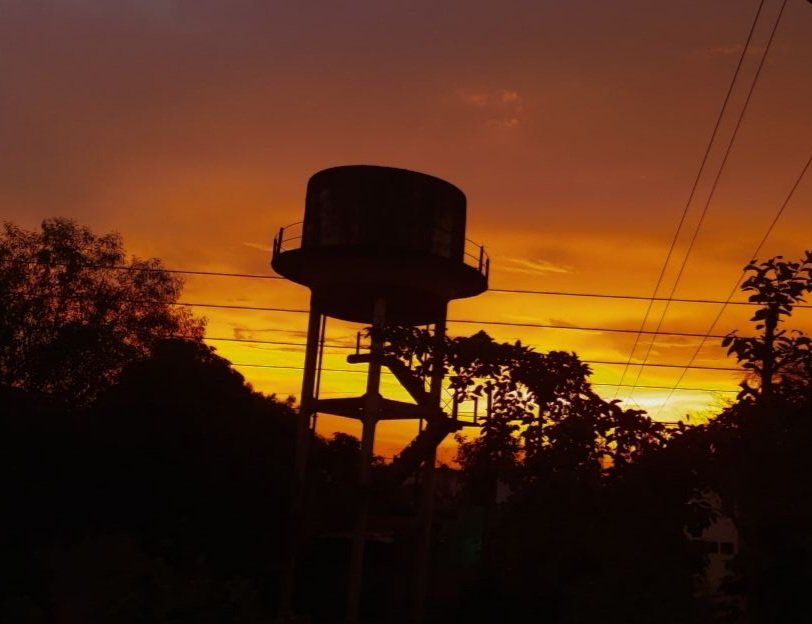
<point x="577" y="466"/>
<point x="75" y="311"/>
<point x="163" y="501"/>
<point x="757" y="449"/>
<point x="774" y="356"/>
<point x="588" y="507"/>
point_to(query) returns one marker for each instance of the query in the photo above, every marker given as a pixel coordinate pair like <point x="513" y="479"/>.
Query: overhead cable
<point x="694" y="186"/>
<point x="712" y="192"/>
<point x="735" y="288"/>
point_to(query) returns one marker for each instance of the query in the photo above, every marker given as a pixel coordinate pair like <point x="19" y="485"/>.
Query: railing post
<point x="278" y="240"/>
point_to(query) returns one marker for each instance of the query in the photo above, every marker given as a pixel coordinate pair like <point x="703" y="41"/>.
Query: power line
<point x="695" y="185"/>
<point x="735" y="288"/>
<point x="561" y="293"/>
<point x="607" y="362"/>
<point x="197" y="304"/>
<point x="146" y="269"/>
<point x="515" y="291"/>
<point x="280" y="342"/>
<point x="714" y="186"/>
<point x="462" y="321"/>
<point x="232" y="307"/>
<point x="660" y="365"/>
<point x="360" y="372"/>
<point x="683" y="388"/>
<point x="576" y="328"/>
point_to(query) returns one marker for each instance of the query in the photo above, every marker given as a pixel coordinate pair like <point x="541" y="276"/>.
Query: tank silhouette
<point x="379" y="246"/>
<point x="374" y="232"/>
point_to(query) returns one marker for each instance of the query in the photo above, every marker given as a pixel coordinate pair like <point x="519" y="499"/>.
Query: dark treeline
<point x="144" y="481"/>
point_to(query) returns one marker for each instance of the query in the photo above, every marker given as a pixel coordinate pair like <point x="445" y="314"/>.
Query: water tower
<point x="377" y="246"/>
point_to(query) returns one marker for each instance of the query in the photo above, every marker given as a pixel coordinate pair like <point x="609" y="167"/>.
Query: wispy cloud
<point x="475" y="99"/>
<point x="257" y="246"/>
<point x="505" y="123"/>
<point x="512" y="98"/>
<point x="725" y="50"/>
<point x="524" y="265"/>
<point x="502" y="107"/>
<point x="240" y="333"/>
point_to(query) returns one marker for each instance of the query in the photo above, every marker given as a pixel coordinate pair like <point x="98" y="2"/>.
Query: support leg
<point x="303" y="435"/>
<point x="371" y="408"/>
<point x="426" y="511"/>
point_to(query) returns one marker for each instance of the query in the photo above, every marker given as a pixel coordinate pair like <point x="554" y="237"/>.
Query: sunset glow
<point x="575" y="129"/>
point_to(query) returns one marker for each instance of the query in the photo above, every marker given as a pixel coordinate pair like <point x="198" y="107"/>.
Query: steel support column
<point x="426" y="511"/>
<point x="370" y="419"/>
<point x="303" y="437"/>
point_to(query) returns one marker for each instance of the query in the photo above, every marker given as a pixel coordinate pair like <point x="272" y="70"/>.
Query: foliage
<point x="71" y="318"/>
<point x="164" y="501"/>
<point x="778" y="359"/>
<point x="757" y="449"/>
<point x="541" y="410"/>
<point x="571" y="534"/>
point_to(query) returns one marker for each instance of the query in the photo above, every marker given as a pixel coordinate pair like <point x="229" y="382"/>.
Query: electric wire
<point x="146" y="269"/>
<point x="516" y="291"/>
<point x="562" y="293"/>
<point x="471" y="321"/>
<point x="199" y="304"/>
<point x="340" y="346"/>
<point x="363" y="372"/>
<point x="735" y="288"/>
<point x="712" y="191"/>
<point x="695" y="185"/>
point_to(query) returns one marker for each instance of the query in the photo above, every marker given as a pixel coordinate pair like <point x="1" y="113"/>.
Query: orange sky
<point x="575" y="129"/>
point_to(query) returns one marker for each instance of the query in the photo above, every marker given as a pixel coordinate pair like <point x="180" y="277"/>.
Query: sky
<point x="576" y="130"/>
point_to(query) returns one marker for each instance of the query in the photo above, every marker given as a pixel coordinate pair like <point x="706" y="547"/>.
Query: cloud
<point x="725" y="50"/>
<point x="240" y="333"/>
<point x="503" y="107"/>
<point x="505" y="123"/>
<point x="291" y="332"/>
<point x="509" y="97"/>
<point x="257" y="246"/>
<point x="475" y="99"/>
<point x="523" y="265"/>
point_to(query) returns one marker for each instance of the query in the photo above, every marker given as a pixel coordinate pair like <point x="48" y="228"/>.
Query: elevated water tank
<point x="371" y="232"/>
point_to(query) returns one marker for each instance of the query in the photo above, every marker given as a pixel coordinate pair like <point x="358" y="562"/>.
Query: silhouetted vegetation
<point x="588" y="510"/>
<point x="145" y="480"/>
<point x="75" y="311"/>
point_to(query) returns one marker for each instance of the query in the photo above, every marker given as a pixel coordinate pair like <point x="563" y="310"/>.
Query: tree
<point x="74" y="311"/>
<point x="774" y="356"/>
<point x="598" y="497"/>
<point x="758" y="448"/>
<point x="576" y="466"/>
<point x="166" y="499"/>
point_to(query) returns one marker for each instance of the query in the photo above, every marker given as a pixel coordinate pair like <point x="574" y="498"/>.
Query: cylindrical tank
<point x="371" y="232"/>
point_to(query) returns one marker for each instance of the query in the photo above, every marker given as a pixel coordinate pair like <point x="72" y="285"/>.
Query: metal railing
<point x="288" y="234"/>
<point x="474" y="255"/>
<point x="289" y="237"/>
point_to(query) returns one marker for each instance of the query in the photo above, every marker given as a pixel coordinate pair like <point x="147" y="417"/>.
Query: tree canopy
<point x="777" y="358"/>
<point x="75" y="310"/>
